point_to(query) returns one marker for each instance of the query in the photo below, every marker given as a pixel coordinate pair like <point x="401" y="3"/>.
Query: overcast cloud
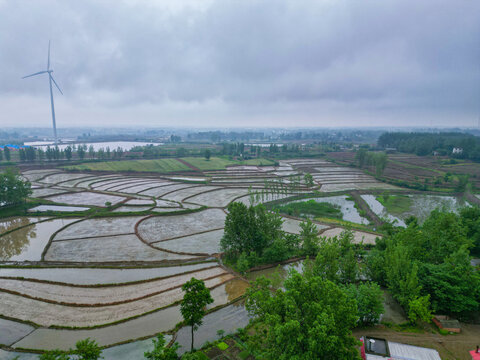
<point x="242" y="63"/>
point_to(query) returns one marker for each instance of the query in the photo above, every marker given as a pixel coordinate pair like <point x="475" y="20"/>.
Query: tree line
<point x="427" y="143"/>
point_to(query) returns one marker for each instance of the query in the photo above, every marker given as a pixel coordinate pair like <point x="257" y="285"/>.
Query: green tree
<point x="193" y="306"/>
<point x="160" y="351"/>
<point x="88" y="350"/>
<point x="308" y="178"/>
<point x="81" y="152"/>
<point x="311" y="318"/>
<point x="309" y="238"/>
<point x="13" y="190"/>
<point x="207" y="154"/>
<point x="54" y="355"/>
<point x="369" y="299"/>
<point x="6" y="152"/>
<point x="68" y="153"/>
<point x="419" y="309"/>
<point x="249" y="229"/>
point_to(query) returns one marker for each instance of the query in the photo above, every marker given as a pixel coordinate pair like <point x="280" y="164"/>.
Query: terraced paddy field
<point x="115" y="274"/>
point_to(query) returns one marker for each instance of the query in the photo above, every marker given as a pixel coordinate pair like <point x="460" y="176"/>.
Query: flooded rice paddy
<point x="346" y="206"/>
<point x="28" y="243"/>
<point x="61" y="208"/>
<point x="420" y="207"/>
<point x="148" y="294"/>
<point x="93" y="276"/>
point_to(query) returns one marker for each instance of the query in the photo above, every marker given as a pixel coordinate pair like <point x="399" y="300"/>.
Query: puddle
<point x="42" y="208"/>
<point x="27" y="244"/>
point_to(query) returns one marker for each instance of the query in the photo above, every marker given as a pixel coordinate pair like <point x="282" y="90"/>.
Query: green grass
<point x="219" y="163"/>
<point x="164" y="165"/>
<point x="310" y="208"/>
<point x="157" y="165"/>
<point x="395" y="204"/>
<point x="222" y="346"/>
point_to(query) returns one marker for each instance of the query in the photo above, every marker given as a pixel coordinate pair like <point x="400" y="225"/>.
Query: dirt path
<point x="364" y="206"/>
<point x="450" y="347"/>
<point x="194" y="168"/>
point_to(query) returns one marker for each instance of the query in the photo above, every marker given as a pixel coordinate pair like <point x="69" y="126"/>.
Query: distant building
<point x="381" y="349"/>
<point x="457" y="151"/>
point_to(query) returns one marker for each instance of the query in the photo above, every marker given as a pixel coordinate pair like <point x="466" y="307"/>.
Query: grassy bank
<point x="310" y="208"/>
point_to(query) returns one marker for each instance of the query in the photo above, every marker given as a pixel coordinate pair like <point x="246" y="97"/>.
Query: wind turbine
<point x="50" y="79"/>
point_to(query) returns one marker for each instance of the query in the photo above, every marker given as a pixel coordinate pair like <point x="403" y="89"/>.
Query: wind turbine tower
<point x="50" y="79"/>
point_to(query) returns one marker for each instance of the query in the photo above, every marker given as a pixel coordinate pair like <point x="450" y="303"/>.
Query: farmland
<point x="422" y="172"/>
<point x="165" y="165"/>
<point x="115" y="272"/>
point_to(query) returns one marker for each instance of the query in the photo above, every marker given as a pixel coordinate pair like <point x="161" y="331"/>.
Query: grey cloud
<point x="250" y="56"/>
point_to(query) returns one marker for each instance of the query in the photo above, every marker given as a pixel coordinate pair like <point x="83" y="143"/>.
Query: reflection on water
<point x="27" y="244"/>
<point x="423" y="205"/>
<point x="228" y="292"/>
<point x="15" y="242"/>
<point x="276" y="274"/>
<point x="14" y="223"/>
<point x="228" y="319"/>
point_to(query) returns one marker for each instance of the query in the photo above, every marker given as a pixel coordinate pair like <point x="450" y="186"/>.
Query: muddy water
<point x="380" y="210"/>
<point x="27" y="244"/>
<point x="90" y="276"/>
<point x="229" y="319"/>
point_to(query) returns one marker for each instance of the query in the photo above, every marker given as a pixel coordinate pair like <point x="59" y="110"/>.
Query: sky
<point x="235" y="63"/>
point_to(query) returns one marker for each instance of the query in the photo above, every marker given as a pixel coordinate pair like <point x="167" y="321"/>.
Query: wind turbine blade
<point x="58" y="87"/>
<point x="48" y="63"/>
<point x="37" y="73"/>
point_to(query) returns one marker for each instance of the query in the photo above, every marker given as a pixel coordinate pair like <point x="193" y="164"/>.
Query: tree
<point x="308" y="178"/>
<point x="309" y="238"/>
<point x="336" y="259"/>
<point x="369" y="299"/>
<point x="13" y="190"/>
<point x="54" y="355"/>
<point x="91" y="152"/>
<point x="88" y="350"/>
<point x="193" y="306"/>
<point x="84" y="350"/>
<point x="6" y="151"/>
<point x="311" y="318"/>
<point x="160" y="351"/>
<point x="207" y="154"/>
<point x="249" y="229"/>
<point x="419" y="309"/>
<point x="1" y="154"/>
<point x="81" y="152"/>
<point x="68" y="153"/>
